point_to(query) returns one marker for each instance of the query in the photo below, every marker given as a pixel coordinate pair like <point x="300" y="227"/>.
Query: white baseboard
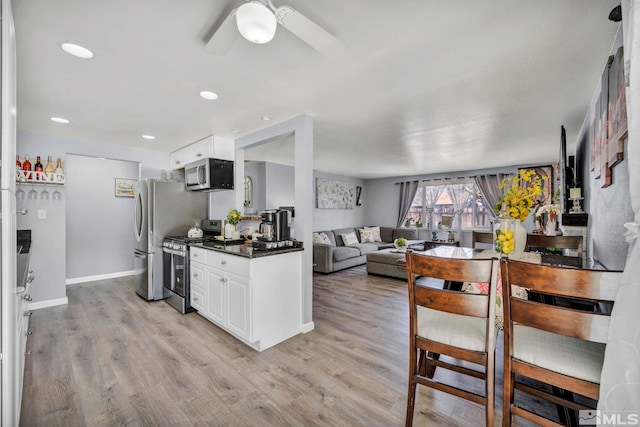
<point x="48" y="303"/>
<point x="97" y="277"/>
<point x="308" y="327"/>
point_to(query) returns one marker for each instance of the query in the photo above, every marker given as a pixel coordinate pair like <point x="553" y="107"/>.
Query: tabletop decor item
<point x="233" y="218"/>
<point x="520" y="193"/>
<point x="401" y="244"/>
<point x="547" y="216"/>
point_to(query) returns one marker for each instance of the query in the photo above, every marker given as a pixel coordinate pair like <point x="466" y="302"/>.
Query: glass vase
<point x="504" y="230"/>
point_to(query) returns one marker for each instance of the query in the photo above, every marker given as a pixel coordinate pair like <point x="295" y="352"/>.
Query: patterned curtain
<point x="488" y="186"/>
<point x="432" y="194"/>
<point x="407" y="194"/>
<point x="460" y="195"/>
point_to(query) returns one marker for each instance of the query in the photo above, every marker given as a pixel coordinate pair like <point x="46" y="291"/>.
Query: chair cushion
<point x="366" y="248"/>
<point x="565" y="355"/>
<point x="452" y="329"/>
<point x="340" y="253"/>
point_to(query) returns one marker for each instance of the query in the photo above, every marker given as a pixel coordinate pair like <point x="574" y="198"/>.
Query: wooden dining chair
<point x="559" y="346"/>
<point x="541" y="242"/>
<point x="481" y="237"/>
<point x="452" y="323"/>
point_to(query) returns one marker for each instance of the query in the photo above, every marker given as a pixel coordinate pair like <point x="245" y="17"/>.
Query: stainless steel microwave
<point x="209" y="175"/>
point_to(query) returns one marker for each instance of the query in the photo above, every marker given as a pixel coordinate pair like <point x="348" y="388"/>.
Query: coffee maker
<point x="275" y="229"/>
<point x="268" y="226"/>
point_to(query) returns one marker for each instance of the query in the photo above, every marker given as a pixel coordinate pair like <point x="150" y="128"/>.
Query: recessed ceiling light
<point x="208" y="95"/>
<point x="76" y="50"/>
<point x="266" y="118"/>
<point x="59" y="120"/>
<point x="148" y="137"/>
<point x="235" y="131"/>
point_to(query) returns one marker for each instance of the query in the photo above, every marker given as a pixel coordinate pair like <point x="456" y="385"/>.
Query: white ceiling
<point x="425" y="86"/>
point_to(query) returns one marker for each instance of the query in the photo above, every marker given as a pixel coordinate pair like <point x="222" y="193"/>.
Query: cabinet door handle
<point x="29" y="333"/>
<point x="30" y="279"/>
<point x="195" y="274"/>
<point x="222" y="280"/>
<point x="195" y="255"/>
<point x="223" y="262"/>
<point x="195" y="298"/>
<point x="27" y="297"/>
<point x="26" y="353"/>
<point x="28" y="313"/>
<point x="199" y="155"/>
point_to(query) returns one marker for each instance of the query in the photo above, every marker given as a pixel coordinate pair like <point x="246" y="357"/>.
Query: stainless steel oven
<point x="175" y="264"/>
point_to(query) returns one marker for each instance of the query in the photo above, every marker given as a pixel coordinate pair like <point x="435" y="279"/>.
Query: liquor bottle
<point x="26" y="166"/>
<point x="59" y="171"/>
<point x="18" y="163"/>
<point x="38" y="168"/>
<point x="49" y="169"/>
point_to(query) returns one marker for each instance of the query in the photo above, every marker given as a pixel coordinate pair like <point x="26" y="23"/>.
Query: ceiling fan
<point x="256" y="20"/>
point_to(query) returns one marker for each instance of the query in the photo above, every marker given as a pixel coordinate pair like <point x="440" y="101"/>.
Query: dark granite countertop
<point x="243" y="250"/>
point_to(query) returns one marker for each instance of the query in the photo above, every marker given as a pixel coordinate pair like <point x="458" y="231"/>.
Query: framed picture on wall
<point x="125" y="187"/>
<point x="546" y="176"/>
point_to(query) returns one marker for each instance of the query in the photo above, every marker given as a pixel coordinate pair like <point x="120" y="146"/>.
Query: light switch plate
<point x="42" y="214"/>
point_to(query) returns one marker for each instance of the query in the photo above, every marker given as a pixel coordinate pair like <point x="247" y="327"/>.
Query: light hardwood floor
<point x="110" y="358"/>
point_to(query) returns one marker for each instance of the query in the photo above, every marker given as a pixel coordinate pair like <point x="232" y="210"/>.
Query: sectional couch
<point x="334" y="255"/>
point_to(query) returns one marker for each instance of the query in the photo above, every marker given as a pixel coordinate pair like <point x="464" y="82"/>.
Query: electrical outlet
<point x="42" y="214"/>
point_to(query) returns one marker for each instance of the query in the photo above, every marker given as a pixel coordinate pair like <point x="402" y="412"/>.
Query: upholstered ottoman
<point x="385" y="263"/>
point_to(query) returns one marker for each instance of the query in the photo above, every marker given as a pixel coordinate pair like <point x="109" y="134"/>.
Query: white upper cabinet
<point x="212" y="146"/>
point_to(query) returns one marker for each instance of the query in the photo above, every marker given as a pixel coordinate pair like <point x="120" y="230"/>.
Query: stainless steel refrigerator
<point x="162" y="208"/>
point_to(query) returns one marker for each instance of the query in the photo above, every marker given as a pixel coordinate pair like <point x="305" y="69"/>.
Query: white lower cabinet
<point x="257" y="300"/>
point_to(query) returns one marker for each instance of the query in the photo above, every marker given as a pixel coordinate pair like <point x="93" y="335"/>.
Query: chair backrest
<point x="559" y="242"/>
<point x="481" y="237"/>
<point x="573" y="283"/>
<point x="454" y="270"/>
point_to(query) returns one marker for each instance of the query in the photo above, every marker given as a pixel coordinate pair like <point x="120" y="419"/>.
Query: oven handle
<point x="174" y="252"/>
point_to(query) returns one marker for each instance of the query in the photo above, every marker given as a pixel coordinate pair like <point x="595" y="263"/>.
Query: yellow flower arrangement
<point x="234" y="217"/>
<point x="520" y="192"/>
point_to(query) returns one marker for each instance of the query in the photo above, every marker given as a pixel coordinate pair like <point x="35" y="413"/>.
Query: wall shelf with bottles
<point x="44" y="178"/>
<point x="47" y="174"/>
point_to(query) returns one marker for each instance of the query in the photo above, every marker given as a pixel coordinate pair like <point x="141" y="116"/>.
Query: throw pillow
<point x="375" y="232"/>
<point x="349" y="239"/>
<point x="366" y="235"/>
<point x="321" y="239"/>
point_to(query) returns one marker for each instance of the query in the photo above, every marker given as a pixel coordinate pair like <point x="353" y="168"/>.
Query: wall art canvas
<point x="333" y="194"/>
<point x="545" y="173"/>
<point x="617" y="116"/>
<point x="125" y="187"/>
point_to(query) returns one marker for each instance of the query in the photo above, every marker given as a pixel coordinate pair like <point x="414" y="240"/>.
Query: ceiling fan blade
<point x="309" y="32"/>
<point x="224" y="35"/>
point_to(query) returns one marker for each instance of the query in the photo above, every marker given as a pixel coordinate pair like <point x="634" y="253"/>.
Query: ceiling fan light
<point x="256" y="22"/>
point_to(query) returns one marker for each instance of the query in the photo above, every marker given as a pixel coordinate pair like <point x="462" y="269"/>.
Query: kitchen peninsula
<point x="256" y="296"/>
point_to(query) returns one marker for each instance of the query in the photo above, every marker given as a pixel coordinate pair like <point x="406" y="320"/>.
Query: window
<point x="463" y="197"/>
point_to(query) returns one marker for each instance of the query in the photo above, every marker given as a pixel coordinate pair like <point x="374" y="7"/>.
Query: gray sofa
<point x="328" y="258"/>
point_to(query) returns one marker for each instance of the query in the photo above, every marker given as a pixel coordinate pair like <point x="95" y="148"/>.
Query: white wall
<point x="49" y="246"/>
<point x="280" y="188"/>
<point x="328" y="219"/>
<point x="98" y="222"/>
<point x="608" y="208"/>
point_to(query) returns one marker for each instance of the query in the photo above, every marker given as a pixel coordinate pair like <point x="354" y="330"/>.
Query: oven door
<point x="175" y="271"/>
